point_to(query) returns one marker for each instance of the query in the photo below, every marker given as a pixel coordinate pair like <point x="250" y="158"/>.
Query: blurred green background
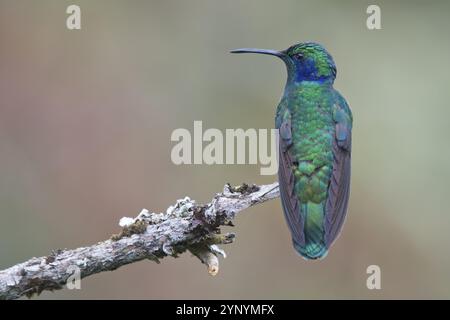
<point x="86" y="118"/>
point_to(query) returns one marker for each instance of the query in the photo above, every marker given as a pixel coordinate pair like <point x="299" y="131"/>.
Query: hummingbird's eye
<point x="298" y="56"/>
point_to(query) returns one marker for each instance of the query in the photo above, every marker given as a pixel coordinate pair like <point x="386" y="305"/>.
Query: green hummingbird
<point x="314" y="124"/>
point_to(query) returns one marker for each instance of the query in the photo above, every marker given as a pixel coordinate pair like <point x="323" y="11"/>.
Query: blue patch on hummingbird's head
<point x="309" y="61"/>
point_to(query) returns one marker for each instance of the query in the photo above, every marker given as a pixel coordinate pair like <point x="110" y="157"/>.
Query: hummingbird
<point x="314" y="125"/>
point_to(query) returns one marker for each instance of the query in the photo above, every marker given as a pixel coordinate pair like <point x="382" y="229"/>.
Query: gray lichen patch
<point x="182" y="209"/>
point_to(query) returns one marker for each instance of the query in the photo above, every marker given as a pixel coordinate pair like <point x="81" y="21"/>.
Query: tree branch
<point x="185" y="226"/>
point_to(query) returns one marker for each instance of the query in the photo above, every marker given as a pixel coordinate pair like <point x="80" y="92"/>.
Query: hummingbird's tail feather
<point x="311" y="251"/>
<point x="315" y="247"/>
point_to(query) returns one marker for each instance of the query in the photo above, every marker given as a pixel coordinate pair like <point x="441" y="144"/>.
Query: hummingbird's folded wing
<point x="286" y="178"/>
<point x="339" y="188"/>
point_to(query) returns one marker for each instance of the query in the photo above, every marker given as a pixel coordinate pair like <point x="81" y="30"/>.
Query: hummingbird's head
<point x="307" y="61"/>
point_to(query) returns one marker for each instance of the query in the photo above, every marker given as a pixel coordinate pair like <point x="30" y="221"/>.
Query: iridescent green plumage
<point x="314" y="123"/>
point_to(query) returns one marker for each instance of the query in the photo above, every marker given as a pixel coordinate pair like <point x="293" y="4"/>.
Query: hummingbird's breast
<point x="312" y="135"/>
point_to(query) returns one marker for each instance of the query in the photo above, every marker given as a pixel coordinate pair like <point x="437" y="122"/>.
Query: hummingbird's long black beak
<point x="279" y="54"/>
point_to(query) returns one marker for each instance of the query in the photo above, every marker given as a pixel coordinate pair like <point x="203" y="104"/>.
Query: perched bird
<point x="315" y="126"/>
